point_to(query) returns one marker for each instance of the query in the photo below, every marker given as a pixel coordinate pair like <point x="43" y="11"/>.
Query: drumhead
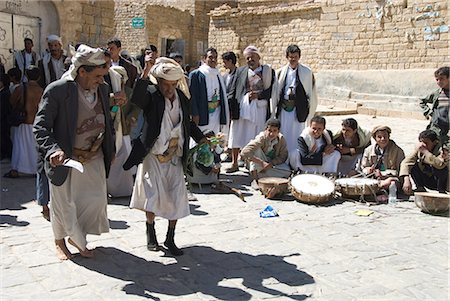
<point x="312" y="184"/>
<point x="356" y="182"/>
<point x="273" y="180"/>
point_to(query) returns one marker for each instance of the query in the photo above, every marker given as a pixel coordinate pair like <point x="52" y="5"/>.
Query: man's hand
<point x="149" y="62"/>
<point x="421" y="148"/>
<point x="329" y="149"/>
<point x="266" y="166"/>
<point x="57" y="158"/>
<point x="343" y="149"/>
<point x="120" y="98"/>
<point x="252" y="95"/>
<point x="196" y="119"/>
<point x="407" y="187"/>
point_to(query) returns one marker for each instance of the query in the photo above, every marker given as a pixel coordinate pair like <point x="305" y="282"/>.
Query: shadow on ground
<point x="6" y="219"/>
<point x="200" y="269"/>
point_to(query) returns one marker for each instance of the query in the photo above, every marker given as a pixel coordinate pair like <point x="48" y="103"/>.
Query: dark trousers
<point x="42" y="188"/>
<point x="431" y="178"/>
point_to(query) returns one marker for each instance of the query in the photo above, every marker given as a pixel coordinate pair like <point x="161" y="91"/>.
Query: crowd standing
<point x="97" y="122"/>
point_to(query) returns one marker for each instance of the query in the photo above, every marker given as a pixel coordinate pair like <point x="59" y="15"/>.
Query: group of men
<point x="105" y="114"/>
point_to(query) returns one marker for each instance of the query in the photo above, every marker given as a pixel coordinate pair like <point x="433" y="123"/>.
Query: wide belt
<point x="170" y="152"/>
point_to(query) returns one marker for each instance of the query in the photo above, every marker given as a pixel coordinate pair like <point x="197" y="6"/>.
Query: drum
<point x="357" y="186"/>
<point x="273" y="187"/>
<point x="432" y="203"/>
<point x="312" y="189"/>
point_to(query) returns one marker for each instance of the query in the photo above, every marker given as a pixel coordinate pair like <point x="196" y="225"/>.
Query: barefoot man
<point x="73" y="121"/>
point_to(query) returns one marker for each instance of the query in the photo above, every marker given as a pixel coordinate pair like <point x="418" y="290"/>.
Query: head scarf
<point x="53" y="37"/>
<point x="85" y="56"/>
<point x="252" y="49"/>
<point x="380" y="128"/>
<point x="167" y="68"/>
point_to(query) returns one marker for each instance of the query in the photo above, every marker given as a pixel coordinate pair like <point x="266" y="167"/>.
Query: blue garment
<point x="199" y="98"/>
<point x="42" y="190"/>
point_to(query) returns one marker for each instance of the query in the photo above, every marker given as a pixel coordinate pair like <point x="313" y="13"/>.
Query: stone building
<point x="179" y="26"/>
<point x="377" y="55"/>
<point x="90" y="22"/>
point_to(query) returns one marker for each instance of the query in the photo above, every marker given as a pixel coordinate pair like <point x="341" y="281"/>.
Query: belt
<point x="170" y="151"/>
<point x="83" y="156"/>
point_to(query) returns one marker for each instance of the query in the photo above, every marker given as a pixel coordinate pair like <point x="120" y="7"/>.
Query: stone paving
<point x="306" y="253"/>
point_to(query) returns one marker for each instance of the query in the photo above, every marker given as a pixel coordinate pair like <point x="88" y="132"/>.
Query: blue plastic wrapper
<point x="268" y="212"/>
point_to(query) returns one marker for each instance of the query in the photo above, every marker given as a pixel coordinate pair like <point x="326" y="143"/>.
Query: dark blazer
<point x="307" y="158"/>
<point x="131" y="71"/>
<point x="41" y="80"/>
<point x="301" y="100"/>
<point x="239" y="88"/>
<point x="199" y="98"/>
<point x="56" y="121"/>
<point x="151" y="101"/>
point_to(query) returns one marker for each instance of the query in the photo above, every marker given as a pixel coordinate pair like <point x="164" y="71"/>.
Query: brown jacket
<point x="431" y="158"/>
<point x="32" y="95"/>
<point x="262" y="142"/>
<point x="391" y="159"/>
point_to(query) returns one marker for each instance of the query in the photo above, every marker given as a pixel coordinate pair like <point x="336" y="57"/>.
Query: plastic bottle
<point x="393" y="193"/>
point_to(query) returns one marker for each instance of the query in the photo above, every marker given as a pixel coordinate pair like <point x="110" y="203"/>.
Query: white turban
<point x="85" y="56"/>
<point x="167" y="69"/>
<point x="252" y="49"/>
<point x="53" y="37"/>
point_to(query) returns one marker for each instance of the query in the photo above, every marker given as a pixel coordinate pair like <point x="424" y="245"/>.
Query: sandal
<point x="11" y="174"/>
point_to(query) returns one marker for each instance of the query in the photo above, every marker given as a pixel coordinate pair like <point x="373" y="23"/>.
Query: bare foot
<point x="61" y="250"/>
<point x="85" y="253"/>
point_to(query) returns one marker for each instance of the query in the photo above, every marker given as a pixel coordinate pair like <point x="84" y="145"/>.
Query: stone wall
<point x="341" y="35"/>
<point x="94" y="26"/>
<point x="169" y="19"/>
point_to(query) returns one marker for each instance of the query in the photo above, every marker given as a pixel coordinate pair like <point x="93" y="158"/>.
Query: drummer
<point x="316" y="152"/>
<point x="427" y="165"/>
<point x="350" y="141"/>
<point x="267" y="153"/>
<point x="382" y="159"/>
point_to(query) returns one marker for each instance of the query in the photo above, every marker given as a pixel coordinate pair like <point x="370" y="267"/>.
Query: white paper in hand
<point x="74" y="164"/>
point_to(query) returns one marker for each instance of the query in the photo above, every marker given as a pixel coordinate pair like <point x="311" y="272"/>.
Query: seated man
<point x="267" y="153"/>
<point x="427" y="165"/>
<point x="350" y="141"/>
<point x="382" y="159"/>
<point x="316" y="152"/>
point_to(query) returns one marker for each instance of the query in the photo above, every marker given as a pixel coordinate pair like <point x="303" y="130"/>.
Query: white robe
<point x="252" y="117"/>
<point x="78" y="206"/>
<point x="24" y="152"/>
<point x="160" y="187"/>
<point x="291" y="128"/>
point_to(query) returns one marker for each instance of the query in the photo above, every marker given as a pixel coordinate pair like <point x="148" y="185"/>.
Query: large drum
<point x="272" y="187"/>
<point x="357" y="186"/>
<point x="312" y="189"/>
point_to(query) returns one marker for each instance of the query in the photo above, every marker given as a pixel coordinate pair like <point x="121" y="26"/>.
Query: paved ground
<point x="307" y="253"/>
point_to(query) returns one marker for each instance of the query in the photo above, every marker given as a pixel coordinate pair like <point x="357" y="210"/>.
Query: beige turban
<point x="85" y="56"/>
<point x="167" y="69"/>
<point x="53" y="37"/>
<point x="252" y="49"/>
